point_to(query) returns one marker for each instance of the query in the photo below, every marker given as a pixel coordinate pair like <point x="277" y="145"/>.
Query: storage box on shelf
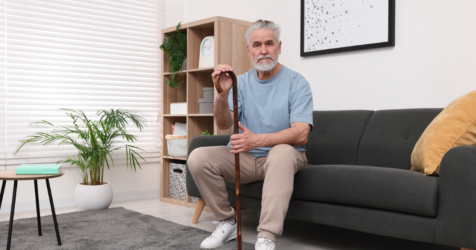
<point x="229" y="48"/>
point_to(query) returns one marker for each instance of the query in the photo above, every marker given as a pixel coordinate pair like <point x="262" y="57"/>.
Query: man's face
<point x="264" y="49"/>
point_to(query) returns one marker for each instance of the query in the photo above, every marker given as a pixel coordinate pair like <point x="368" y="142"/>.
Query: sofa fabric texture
<point x="390" y="136"/>
<point x="372" y="187"/>
<point x="454" y="126"/>
<point x="336" y="136"/>
<point x="358" y="177"/>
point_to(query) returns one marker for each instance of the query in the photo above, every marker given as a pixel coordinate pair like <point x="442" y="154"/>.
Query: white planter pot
<point x="96" y="197"/>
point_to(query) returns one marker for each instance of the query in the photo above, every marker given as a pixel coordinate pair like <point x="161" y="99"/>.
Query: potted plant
<point x="206" y="133"/>
<point x="175" y="45"/>
<point x="95" y="141"/>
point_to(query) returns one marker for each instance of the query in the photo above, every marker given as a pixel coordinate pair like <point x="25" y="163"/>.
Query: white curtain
<point x="85" y="54"/>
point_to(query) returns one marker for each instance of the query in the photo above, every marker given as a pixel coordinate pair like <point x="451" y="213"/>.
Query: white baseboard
<point x="69" y="201"/>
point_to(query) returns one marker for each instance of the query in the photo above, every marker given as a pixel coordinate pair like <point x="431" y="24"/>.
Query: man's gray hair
<point x="263" y="24"/>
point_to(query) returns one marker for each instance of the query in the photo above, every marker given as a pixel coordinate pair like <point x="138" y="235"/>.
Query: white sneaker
<point x="224" y="232"/>
<point x="265" y="244"/>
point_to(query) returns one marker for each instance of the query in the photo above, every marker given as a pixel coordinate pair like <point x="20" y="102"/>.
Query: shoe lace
<point x="266" y="243"/>
<point x="220" y="229"/>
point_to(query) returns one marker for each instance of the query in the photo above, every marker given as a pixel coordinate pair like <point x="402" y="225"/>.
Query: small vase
<point x="95" y="197"/>
<point x="184" y="64"/>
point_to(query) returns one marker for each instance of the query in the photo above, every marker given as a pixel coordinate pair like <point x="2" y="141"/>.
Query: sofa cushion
<point x="454" y="126"/>
<point x="391" y="135"/>
<point x="373" y="187"/>
<point x="336" y="136"/>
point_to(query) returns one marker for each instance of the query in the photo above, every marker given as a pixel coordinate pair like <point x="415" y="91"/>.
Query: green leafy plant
<point x="95" y="140"/>
<point x="175" y="45"/>
<point x="206" y="132"/>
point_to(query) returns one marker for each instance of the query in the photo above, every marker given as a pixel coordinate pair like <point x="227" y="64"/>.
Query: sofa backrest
<point x="391" y="135"/>
<point x="383" y="138"/>
<point x="336" y="136"/>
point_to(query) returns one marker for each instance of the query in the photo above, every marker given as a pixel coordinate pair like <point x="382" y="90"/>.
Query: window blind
<point x="86" y="54"/>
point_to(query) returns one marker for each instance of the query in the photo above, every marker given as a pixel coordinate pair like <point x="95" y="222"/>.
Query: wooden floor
<point x="298" y="235"/>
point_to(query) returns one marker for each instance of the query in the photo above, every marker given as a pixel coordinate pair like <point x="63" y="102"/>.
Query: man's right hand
<point x="225" y="80"/>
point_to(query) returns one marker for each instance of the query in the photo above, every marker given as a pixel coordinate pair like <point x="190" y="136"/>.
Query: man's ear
<point x="280" y="47"/>
<point x="249" y="53"/>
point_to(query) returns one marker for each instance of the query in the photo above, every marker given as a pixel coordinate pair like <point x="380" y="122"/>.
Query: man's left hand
<point x="246" y="141"/>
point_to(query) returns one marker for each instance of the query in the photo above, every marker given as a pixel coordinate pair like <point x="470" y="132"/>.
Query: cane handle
<point x="217" y="82"/>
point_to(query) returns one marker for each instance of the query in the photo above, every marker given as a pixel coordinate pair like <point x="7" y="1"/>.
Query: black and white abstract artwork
<point x="330" y="26"/>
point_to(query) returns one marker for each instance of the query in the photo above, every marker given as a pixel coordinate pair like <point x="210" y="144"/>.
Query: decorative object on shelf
<point x="177" y="188"/>
<point x="176" y="145"/>
<point x="178" y="108"/>
<point x="207" y="52"/>
<point x="207" y="93"/>
<point x="175" y="45"/>
<point x="95" y="141"/>
<point x="206" y="105"/>
<point x="329" y="27"/>
<point x="206" y="132"/>
<point x="177" y="141"/>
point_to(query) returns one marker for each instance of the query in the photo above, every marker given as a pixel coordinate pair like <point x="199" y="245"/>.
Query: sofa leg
<point x="198" y="210"/>
<point x="462" y="248"/>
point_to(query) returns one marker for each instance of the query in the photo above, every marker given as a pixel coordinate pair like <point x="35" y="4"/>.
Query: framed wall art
<point x="331" y="26"/>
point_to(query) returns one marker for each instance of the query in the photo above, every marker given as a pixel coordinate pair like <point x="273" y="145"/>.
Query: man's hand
<point x="246" y="141"/>
<point x="225" y="80"/>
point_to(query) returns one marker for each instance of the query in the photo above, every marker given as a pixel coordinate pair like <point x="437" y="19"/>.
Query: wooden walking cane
<point x="237" y="156"/>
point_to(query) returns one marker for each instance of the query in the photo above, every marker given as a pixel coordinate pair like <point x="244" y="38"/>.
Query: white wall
<point x="433" y="62"/>
<point x="174" y="12"/>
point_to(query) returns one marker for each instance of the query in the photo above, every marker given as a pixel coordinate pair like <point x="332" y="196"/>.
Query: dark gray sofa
<point x="358" y="177"/>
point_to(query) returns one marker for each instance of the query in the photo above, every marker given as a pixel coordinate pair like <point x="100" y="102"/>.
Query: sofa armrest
<point x="456" y="220"/>
<point x="202" y="141"/>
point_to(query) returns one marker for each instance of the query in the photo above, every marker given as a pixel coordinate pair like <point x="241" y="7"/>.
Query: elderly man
<point x="275" y="114"/>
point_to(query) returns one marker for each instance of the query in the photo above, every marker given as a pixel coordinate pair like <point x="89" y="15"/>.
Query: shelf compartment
<point x="196" y="82"/>
<point x="166" y="174"/>
<point x="195" y="36"/>
<point x="198" y="124"/>
<point x="173" y="95"/>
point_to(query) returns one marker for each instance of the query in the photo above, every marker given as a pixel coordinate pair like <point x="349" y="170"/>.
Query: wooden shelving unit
<point x="230" y="48"/>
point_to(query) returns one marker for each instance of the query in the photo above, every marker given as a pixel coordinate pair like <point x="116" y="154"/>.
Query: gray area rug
<point x="114" y="228"/>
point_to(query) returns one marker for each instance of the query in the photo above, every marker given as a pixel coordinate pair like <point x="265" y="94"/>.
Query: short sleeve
<point x="301" y="104"/>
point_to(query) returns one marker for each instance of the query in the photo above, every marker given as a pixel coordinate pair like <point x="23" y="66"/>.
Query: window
<point x="85" y="54"/>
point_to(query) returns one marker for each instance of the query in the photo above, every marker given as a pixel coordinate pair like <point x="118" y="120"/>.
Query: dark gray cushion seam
<point x="362" y="135"/>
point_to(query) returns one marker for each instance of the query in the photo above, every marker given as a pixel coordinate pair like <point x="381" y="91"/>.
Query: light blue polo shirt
<point x="269" y="106"/>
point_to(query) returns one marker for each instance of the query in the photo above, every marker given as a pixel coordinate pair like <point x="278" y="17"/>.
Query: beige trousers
<point x="211" y="165"/>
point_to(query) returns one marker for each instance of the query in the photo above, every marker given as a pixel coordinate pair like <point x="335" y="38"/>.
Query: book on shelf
<point x="32" y="169"/>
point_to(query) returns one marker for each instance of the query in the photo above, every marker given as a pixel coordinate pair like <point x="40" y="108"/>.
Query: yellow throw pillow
<point x="454" y="126"/>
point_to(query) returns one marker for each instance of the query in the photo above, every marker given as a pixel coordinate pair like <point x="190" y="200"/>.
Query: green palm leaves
<point x="95" y="140"/>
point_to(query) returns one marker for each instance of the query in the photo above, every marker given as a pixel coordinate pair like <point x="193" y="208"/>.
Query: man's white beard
<point x="265" y="66"/>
